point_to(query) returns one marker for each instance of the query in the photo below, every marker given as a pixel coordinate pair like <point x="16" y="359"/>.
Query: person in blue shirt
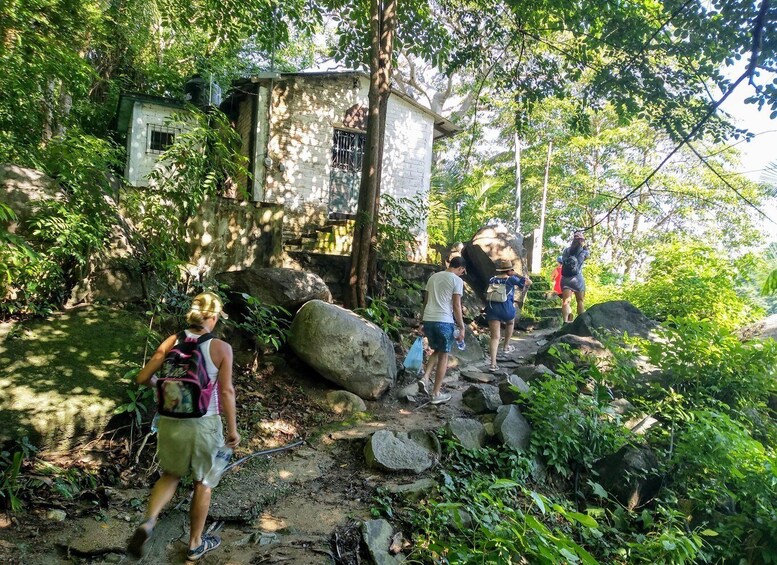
<point x="498" y="313"/>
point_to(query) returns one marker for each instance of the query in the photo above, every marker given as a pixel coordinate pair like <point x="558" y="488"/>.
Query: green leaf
<point x="598" y="489"/>
<point x="538" y="500"/>
<point x="583" y="519"/>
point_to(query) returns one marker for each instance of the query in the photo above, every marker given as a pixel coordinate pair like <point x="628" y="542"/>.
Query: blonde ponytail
<point x="204" y="306"/>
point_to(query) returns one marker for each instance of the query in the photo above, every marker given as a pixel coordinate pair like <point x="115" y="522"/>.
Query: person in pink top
<point x="557" y="276"/>
<point x="188" y="445"/>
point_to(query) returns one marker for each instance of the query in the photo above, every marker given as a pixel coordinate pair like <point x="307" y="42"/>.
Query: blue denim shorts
<point x="439" y="335"/>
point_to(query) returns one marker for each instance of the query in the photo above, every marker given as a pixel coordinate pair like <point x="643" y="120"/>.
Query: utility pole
<point x="517" y="219"/>
<point x="545" y="195"/>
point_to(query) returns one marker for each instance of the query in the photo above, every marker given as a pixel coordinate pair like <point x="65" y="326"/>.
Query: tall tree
<point x="383" y="18"/>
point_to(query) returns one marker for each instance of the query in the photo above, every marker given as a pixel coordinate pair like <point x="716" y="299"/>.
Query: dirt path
<point x="284" y="509"/>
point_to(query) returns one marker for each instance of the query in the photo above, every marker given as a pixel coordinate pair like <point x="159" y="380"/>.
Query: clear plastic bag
<point x="415" y="356"/>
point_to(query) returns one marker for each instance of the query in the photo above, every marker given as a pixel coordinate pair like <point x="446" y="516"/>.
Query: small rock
<point x="512" y="389"/>
<point x="396" y="543"/>
<point x="344" y="402"/>
<point x="481" y="398"/>
<point x="512" y="428"/>
<point x="378" y="536"/>
<point x="470" y="433"/>
<point x="411" y="491"/>
<point x="264" y="538"/>
<point x="56" y="515"/>
<point x="477" y="376"/>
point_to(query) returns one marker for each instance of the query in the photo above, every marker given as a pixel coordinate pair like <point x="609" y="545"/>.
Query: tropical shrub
<point x="731" y="481"/>
<point x="711" y="367"/>
<point x="63" y="233"/>
<point x="484" y="513"/>
<point x="569" y="430"/>
<point x="266" y="323"/>
<point x="717" y="441"/>
<point x="691" y="279"/>
<point x="202" y="162"/>
<point x="400" y="225"/>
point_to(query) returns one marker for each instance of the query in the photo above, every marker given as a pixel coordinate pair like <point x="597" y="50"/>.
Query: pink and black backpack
<point x="184" y="388"/>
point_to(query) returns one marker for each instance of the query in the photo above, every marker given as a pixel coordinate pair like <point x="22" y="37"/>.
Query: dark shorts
<point x="502" y="311"/>
<point x="575" y="284"/>
<point x="439" y="335"/>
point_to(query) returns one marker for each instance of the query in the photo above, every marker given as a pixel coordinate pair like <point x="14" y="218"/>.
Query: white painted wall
<point x="139" y="161"/>
<point x="304" y="113"/>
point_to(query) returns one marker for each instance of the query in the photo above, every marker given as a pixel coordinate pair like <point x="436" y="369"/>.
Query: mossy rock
<point x="61" y="378"/>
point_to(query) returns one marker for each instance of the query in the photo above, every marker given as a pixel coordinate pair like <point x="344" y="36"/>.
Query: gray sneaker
<point x="423" y="386"/>
<point x="441" y="398"/>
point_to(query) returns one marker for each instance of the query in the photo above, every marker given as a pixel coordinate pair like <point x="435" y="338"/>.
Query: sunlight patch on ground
<point x="61" y="377"/>
<point x="269" y="523"/>
<point x="273" y="427"/>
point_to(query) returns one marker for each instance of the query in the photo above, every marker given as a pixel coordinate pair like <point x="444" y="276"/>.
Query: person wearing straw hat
<point x="503" y="312"/>
<point x="188" y="445"/>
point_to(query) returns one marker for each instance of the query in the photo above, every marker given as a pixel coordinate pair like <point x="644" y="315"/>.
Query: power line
<point x="729" y="185"/>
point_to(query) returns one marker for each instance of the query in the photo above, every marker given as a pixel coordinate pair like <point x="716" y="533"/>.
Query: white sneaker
<point x="423" y="386"/>
<point x="441" y="398"/>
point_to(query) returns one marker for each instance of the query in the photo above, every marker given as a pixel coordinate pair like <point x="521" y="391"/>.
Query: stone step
<point x="554" y="322"/>
<point x="541" y="285"/>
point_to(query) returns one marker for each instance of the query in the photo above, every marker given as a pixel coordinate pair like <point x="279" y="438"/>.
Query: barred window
<point x="348" y="150"/>
<point x="159" y="138"/>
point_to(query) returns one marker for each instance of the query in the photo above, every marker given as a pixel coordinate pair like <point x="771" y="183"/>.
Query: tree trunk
<point x="382" y="26"/>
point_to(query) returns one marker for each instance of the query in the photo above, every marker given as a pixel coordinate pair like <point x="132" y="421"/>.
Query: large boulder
<point x="288" y="288"/>
<point x="631" y="475"/>
<point x="344" y="348"/>
<point x="24" y="190"/>
<point x="471" y="303"/>
<point x="762" y="329"/>
<point x="617" y="317"/>
<point x="112" y="273"/>
<point x="487" y="246"/>
<point x="581" y="351"/>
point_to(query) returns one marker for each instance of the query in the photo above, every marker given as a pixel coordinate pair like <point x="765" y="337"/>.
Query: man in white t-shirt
<point x="441" y="315"/>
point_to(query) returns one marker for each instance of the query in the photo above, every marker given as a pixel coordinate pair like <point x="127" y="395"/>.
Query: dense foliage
<point x="715" y="441"/>
<point x="691" y="279"/>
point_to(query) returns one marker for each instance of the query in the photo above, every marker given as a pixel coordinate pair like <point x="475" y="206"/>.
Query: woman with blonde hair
<point x="189" y="444"/>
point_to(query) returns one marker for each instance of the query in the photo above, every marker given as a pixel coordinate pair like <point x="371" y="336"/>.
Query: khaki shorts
<point x="188" y="444"/>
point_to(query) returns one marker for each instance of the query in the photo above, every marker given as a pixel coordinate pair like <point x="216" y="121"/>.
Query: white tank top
<point x="214" y="407"/>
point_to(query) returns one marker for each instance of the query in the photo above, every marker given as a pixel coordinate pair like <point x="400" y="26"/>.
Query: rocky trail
<point x="304" y="505"/>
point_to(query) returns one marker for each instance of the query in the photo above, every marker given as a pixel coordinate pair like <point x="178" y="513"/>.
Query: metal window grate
<point x="159" y="138"/>
<point x="348" y="150"/>
<point x="345" y="175"/>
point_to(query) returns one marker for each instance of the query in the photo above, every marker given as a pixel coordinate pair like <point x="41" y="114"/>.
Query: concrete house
<point x="304" y="136"/>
